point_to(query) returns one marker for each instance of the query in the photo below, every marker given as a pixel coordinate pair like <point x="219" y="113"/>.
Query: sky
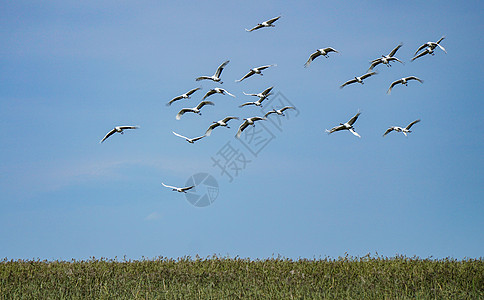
<point x="70" y="71"/>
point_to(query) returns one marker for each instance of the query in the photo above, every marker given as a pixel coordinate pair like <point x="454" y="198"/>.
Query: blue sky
<point x="70" y="72"/>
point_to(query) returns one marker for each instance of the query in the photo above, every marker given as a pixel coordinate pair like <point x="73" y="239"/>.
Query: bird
<point x="400" y="129"/>
<point x="346" y="126"/>
<point x="255" y="71"/>
<point x="216" y="76"/>
<point x="278" y="111"/>
<point x="386" y="59"/>
<point x="217" y="91"/>
<point x="222" y="122"/>
<point x="264" y="94"/>
<point x="180" y="190"/>
<point x="247" y="122"/>
<point x="194" y="109"/>
<point x="431" y="46"/>
<point x="256" y="103"/>
<point x="191" y="141"/>
<point x="117" y="129"/>
<point x="358" y="79"/>
<point x="323" y="51"/>
<point x="184" y="96"/>
<point x="403" y="81"/>
<point x="267" y="23"/>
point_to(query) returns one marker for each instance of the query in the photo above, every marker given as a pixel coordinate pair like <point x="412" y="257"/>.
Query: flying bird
<point x="217" y="91"/>
<point x="403" y="81"/>
<point x="400" y="129"/>
<point x="346" y="126"/>
<point x="255" y="71"/>
<point x="267" y="23"/>
<point x="431" y="46"/>
<point x="222" y="122"/>
<point x="117" y="129"/>
<point x="323" y="51"/>
<point x="191" y="141"/>
<point x="357" y="79"/>
<point x="176" y="189"/>
<point x="184" y="96"/>
<point x="216" y="76"/>
<point x="386" y="59"/>
<point x="264" y="94"/>
<point x="247" y="122"/>
<point x="194" y="109"/>
<point x="278" y="111"/>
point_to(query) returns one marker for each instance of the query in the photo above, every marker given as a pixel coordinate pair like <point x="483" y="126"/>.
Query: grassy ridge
<point x="224" y="278"/>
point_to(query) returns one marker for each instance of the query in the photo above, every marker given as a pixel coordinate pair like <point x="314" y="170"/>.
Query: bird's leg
<point x="122" y="132"/>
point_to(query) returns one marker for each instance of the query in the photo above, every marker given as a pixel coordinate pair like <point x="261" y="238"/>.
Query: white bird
<point x="176" y="189"/>
<point x="222" y="122"/>
<point x="117" y="129"/>
<point x="278" y="111"/>
<point x="400" y="129"/>
<point x="217" y="91"/>
<point x="267" y="23"/>
<point x="194" y="109"/>
<point x="256" y="103"/>
<point x="264" y="94"/>
<point x="386" y="59"/>
<point x="403" y="81"/>
<point x="216" y="76"/>
<point x="191" y="141"/>
<point x="247" y="122"/>
<point x="346" y="126"/>
<point x="255" y="71"/>
<point x="431" y="46"/>
<point x="184" y="96"/>
<point x="323" y="51"/>
<point x="357" y="79"/>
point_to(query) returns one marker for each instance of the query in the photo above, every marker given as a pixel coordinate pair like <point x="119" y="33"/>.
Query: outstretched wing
<point x="198" y="138"/>
<point x="388" y="131"/>
<point x="187" y="188"/>
<point x="440" y="40"/>
<point x="336" y="128"/>
<point x="210" y="128"/>
<point x="258" y="26"/>
<point x="420" y="55"/>
<point x="220" y="68"/>
<point x="202" y="78"/>
<point x="330" y="49"/>
<point x="169" y="186"/>
<point x="286" y="108"/>
<point x="229" y="93"/>
<point x="272" y="20"/>
<point x="353" y="120"/>
<point x="257" y="118"/>
<point x="180" y="135"/>
<point x="128" y="127"/>
<point x="209" y="93"/>
<point x="174" y="99"/>
<point x="414" y="78"/>
<point x="374" y="64"/>
<point x="264" y="67"/>
<point x="108" y="135"/>
<point x="203" y="103"/>
<point x="411" y="124"/>
<point x="193" y="91"/>
<point x="392" y="85"/>
<point x="311" y="58"/>
<point x="354" y="132"/>
<point x="226" y="119"/>
<point x="420" y="48"/>
<point x="241" y="128"/>
<point x="367" y="75"/>
<point x="348" y="82"/>
<point x="247" y="103"/>
<point x="269" y="112"/>
<point x="394" y="58"/>
<point x="182" y="112"/>
<point x="267" y="91"/>
<point x="246" y="76"/>
<point x="395" y="50"/>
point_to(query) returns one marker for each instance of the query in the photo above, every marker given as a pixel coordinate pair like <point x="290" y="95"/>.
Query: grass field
<point x="234" y="278"/>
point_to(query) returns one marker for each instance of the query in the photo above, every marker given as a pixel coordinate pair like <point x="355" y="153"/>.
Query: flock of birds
<point x="428" y="48"/>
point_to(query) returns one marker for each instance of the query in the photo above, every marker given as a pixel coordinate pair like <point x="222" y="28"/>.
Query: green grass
<point x="225" y="278"/>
